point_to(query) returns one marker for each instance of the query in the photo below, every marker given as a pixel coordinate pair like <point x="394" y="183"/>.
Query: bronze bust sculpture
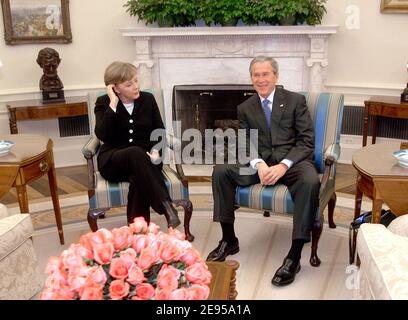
<point x="50" y="83"/>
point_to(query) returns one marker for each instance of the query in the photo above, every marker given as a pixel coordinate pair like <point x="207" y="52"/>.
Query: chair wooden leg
<point x="93" y="215"/>
<point x="316" y="232"/>
<point x="331" y="205"/>
<point x="188" y="211"/>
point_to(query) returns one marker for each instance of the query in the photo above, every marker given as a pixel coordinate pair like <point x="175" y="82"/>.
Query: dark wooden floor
<point x="74" y="180"/>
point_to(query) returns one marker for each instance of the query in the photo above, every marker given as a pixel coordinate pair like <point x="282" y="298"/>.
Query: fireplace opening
<point x="212" y="107"/>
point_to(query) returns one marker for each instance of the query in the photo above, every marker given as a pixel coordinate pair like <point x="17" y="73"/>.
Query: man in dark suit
<point x="285" y="155"/>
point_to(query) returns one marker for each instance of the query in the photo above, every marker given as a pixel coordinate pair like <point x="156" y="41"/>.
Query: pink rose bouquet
<point x="136" y="262"/>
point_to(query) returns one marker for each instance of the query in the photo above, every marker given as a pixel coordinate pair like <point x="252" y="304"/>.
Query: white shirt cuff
<point x="254" y="162"/>
<point x="287" y="162"/>
<point x="114" y="110"/>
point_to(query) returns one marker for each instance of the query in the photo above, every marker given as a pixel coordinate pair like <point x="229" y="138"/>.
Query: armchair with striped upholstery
<point x="326" y="110"/>
<point x="104" y="195"/>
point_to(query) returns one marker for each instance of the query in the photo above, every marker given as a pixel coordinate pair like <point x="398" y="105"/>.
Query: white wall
<point x="96" y="42"/>
<point x="369" y="60"/>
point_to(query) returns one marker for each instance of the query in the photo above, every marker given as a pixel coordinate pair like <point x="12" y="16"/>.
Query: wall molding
<point x="356" y="92"/>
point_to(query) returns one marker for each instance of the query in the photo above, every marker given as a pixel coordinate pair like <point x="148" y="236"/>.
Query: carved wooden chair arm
<point x="331" y="156"/>
<point x="89" y="151"/>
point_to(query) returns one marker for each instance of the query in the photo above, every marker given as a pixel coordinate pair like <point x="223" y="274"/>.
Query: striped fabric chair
<point x="104" y="195"/>
<point x="326" y="110"/>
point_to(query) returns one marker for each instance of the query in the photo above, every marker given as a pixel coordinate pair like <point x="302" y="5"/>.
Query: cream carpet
<point x="263" y="245"/>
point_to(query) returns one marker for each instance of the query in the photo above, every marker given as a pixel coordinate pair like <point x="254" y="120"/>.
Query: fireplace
<point x="211" y="107"/>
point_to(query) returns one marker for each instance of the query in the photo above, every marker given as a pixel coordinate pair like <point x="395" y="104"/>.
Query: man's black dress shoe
<point x="286" y="273"/>
<point x="171" y="214"/>
<point x="223" y="250"/>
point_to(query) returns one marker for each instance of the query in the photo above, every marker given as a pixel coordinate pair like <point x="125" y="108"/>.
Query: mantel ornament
<point x="50" y="84"/>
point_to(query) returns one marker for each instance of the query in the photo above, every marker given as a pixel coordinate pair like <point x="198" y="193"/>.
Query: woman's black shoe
<point x="171" y="214"/>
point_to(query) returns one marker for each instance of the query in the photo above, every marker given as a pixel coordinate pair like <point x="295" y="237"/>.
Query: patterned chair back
<point x="326" y="110"/>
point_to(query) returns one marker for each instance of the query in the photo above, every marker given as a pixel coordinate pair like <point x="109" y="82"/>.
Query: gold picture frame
<point x="40" y="21"/>
<point x="394" y="6"/>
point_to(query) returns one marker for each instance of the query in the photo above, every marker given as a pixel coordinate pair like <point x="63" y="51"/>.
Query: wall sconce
<point x="1" y="64"/>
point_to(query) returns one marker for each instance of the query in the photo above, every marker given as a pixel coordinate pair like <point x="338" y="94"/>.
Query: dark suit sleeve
<point x="304" y="133"/>
<point x="106" y="120"/>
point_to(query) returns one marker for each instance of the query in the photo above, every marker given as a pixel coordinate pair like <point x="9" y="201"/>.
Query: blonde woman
<point x="125" y="118"/>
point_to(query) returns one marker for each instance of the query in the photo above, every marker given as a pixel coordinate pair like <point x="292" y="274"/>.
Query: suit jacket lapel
<point x="278" y="108"/>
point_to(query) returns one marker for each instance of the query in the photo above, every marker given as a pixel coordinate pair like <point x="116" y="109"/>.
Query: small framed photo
<point x="39" y="21"/>
<point x="394" y="6"/>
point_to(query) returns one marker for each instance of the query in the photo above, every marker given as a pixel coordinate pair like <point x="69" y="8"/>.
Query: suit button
<point x="131" y="120"/>
<point x="130" y="140"/>
<point x="130" y="131"/>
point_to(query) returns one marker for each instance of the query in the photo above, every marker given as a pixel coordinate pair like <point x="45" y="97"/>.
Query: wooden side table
<point x="36" y="110"/>
<point x="380" y="178"/>
<point x="383" y="106"/>
<point x="30" y="158"/>
<point x="223" y="282"/>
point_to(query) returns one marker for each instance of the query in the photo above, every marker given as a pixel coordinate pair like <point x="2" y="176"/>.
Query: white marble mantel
<point x="220" y="55"/>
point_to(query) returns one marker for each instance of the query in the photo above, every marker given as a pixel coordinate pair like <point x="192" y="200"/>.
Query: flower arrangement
<point x="136" y="262"/>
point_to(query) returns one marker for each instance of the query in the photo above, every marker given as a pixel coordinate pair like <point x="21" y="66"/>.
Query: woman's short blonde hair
<point x="118" y="72"/>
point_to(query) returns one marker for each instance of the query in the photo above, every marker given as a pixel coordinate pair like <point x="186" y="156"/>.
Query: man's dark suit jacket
<point x="119" y="129"/>
<point x="292" y="131"/>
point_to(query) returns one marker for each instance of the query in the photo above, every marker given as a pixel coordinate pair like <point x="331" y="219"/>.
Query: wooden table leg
<point x="54" y="195"/>
<point x="358" y="200"/>
<point x="357" y="211"/>
<point x="377" y="206"/>
<point x="22" y="198"/>
<point x="374" y="129"/>
<point x="365" y="127"/>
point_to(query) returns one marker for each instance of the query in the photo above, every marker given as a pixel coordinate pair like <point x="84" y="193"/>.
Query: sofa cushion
<point x="14" y="230"/>
<point x="384" y="261"/>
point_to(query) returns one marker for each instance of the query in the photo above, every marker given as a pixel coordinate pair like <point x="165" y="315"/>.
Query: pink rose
<point x="145" y="291"/>
<point x="176" y="233"/>
<point x="140" y="242"/>
<point x="146" y="259"/>
<point x="128" y="254"/>
<point x="76" y="282"/>
<point x="82" y="251"/>
<point x="118" y="268"/>
<point x="168" y="277"/>
<point x="153" y="228"/>
<point x="54" y="264"/>
<point x="70" y="259"/>
<point x="121" y="238"/>
<point x="163" y="294"/>
<point x="62" y="294"/>
<point x="168" y="252"/>
<point x="103" y="252"/>
<point x="97" y="275"/>
<point x="100" y="236"/>
<point x="198" y="292"/>
<point x="56" y="280"/>
<point x="118" y="289"/>
<point x="198" y="273"/>
<point x="139" y="225"/>
<point x="190" y="256"/>
<point x="179" y="294"/>
<point x="136" y="275"/>
<point x="92" y="293"/>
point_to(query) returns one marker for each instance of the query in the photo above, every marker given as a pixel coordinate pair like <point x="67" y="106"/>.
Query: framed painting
<point x="394" y="6"/>
<point x="40" y="21"/>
